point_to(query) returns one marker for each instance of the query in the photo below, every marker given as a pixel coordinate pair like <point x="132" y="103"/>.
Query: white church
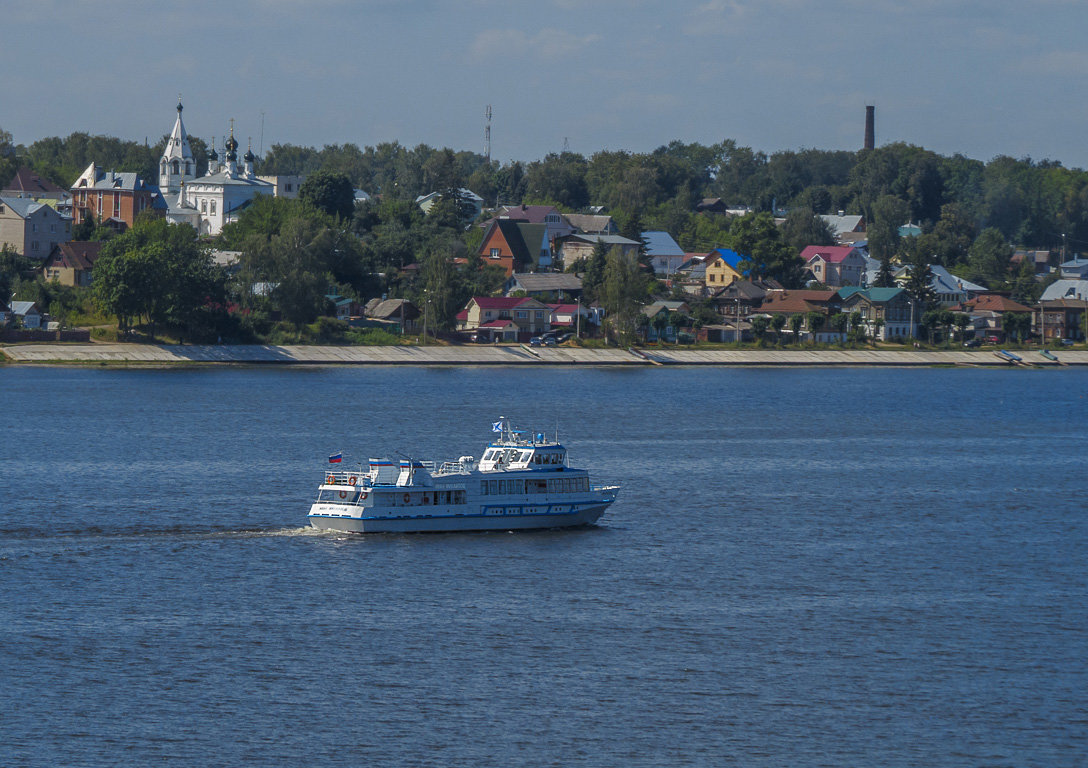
<point x="220" y="196"/>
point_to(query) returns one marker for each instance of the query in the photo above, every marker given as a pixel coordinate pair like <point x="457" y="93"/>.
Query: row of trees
<point x="1030" y="203"/>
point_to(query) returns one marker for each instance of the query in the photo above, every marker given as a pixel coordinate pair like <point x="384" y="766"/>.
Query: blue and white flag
<point x="496" y="427"/>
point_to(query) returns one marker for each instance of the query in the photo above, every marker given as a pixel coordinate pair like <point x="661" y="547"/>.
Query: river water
<point x="804" y="567"/>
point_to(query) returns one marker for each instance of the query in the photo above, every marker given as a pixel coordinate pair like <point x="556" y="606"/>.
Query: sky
<point x="978" y="77"/>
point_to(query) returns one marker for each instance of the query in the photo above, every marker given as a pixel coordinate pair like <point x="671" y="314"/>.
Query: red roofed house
<point x="787" y="303"/>
<point x="71" y="263"/>
<point x="493" y="316"/>
<point x="835" y="266"/>
<point x="986" y="312"/>
<point x="548" y="215"/>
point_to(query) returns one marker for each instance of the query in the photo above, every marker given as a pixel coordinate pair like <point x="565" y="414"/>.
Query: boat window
<point x="525" y="455"/>
<point x="483" y="487"/>
<point x="494" y="487"/>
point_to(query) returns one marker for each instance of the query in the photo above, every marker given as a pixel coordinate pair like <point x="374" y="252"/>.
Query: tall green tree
<point x="622" y="293"/>
<point x="330" y="192"/>
<point x="159" y="272"/>
<point x="756" y="237"/>
<point x="989" y="258"/>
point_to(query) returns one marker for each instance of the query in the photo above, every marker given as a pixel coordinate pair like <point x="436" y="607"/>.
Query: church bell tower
<point x="177" y="164"/>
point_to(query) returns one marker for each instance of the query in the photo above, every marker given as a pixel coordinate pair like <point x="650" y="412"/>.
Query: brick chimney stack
<point x="870" y="133"/>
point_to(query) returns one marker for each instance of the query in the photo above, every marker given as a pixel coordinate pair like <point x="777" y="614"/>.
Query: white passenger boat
<point x="521" y="482"/>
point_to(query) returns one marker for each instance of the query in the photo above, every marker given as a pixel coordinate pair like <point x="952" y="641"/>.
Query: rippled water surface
<point x="805" y="567"/>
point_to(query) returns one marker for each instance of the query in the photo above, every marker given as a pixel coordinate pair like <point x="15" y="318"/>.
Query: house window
<point x="99" y="209"/>
<point x="34" y="227"/>
<point x="494" y="253"/>
<point x="117" y="205"/>
<point x="213" y="207"/>
<point x="52" y="227"/>
<point x="34" y="245"/>
<point x="540" y="314"/>
<point x="204" y="205"/>
<point x="522" y="315"/>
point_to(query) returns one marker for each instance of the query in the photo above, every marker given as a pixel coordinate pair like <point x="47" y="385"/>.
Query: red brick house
<point x="114" y="199"/>
<point x="516" y="246"/>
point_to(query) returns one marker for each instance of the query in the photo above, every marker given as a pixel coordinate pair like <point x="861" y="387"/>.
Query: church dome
<point x="249" y="157"/>
<point x="232" y="148"/>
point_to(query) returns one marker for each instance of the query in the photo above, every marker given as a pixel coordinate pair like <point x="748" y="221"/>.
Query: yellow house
<point x="721" y="268"/>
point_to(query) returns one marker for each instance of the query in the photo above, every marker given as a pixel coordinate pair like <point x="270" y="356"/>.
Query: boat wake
<point x="149" y="532"/>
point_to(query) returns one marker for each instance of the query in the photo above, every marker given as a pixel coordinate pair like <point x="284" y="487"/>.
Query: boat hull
<point x="587" y="515"/>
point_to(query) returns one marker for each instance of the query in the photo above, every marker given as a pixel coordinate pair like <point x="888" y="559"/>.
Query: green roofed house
<point x="891" y="306"/>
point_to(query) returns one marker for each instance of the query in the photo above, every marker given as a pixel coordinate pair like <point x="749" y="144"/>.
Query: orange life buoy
<point x="343" y="494"/>
<point x="362" y="495"/>
<point x="330" y="480"/>
<point x="352" y="479"/>
<point x="426" y="498"/>
<point x="407" y="498"/>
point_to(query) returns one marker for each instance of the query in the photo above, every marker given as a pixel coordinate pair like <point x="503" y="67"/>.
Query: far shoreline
<point x="170" y="355"/>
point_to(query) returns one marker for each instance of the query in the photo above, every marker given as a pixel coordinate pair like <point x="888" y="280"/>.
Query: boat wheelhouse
<point x="522" y="481"/>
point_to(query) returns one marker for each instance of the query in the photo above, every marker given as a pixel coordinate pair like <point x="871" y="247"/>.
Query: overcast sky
<point x="979" y="77"/>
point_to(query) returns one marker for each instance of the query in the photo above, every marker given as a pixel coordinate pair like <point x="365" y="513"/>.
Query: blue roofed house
<point x="665" y="254"/>
<point x="947" y="288"/>
<point x="885" y="312"/>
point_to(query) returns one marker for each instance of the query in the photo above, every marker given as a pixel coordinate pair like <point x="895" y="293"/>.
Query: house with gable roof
<point x="846" y="230"/>
<point x="71" y="263"/>
<point x="885" y="312"/>
<point x="27" y="313"/>
<point x="504" y="316"/>
<point x="665" y="254"/>
<point x="722" y="267"/>
<point x="580" y="246"/>
<point x="32" y="228"/>
<point x="516" y="246"/>
<point x="27" y="183"/>
<point x="548" y="215"/>
<point x="544" y="285"/>
<point x="114" y="199"/>
<point x="834" y="265"/>
<point x="987" y="312"/>
<point x="591" y="223"/>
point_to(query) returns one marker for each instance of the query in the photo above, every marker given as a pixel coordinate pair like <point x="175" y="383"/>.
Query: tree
<point x="855" y="326"/>
<point x="330" y="192"/>
<point x="778" y="322"/>
<point x="1025" y="288"/>
<point x="1016" y="324"/>
<point x="885" y="277"/>
<point x="919" y="286"/>
<point x="816" y="321"/>
<point x="961" y="320"/>
<point x="839" y="322"/>
<point x="157" y="271"/>
<point x="594" y="272"/>
<point x="796" y="321"/>
<point x="759" y="325"/>
<point x="756" y="238"/>
<point x="989" y="258"/>
<point x="622" y="290"/>
<point x="803" y="228"/>
<point x="889" y="213"/>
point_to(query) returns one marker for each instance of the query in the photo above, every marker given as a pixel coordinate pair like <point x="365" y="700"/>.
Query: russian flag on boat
<point x="336" y="458"/>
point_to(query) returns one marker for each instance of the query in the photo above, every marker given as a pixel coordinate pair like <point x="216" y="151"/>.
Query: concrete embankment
<point x="167" y="354"/>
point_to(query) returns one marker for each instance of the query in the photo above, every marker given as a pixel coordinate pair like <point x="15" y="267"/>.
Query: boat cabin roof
<point x="504" y="455"/>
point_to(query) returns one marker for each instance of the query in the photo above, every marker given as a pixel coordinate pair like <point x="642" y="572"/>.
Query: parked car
<point x="565" y="338"/>
<point x="972" y="343"/>
<point x="549" y="341"/>
<point x="1067" y="342"/>
<point x="536" y="341"/>
<point x="992" y="340"/>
